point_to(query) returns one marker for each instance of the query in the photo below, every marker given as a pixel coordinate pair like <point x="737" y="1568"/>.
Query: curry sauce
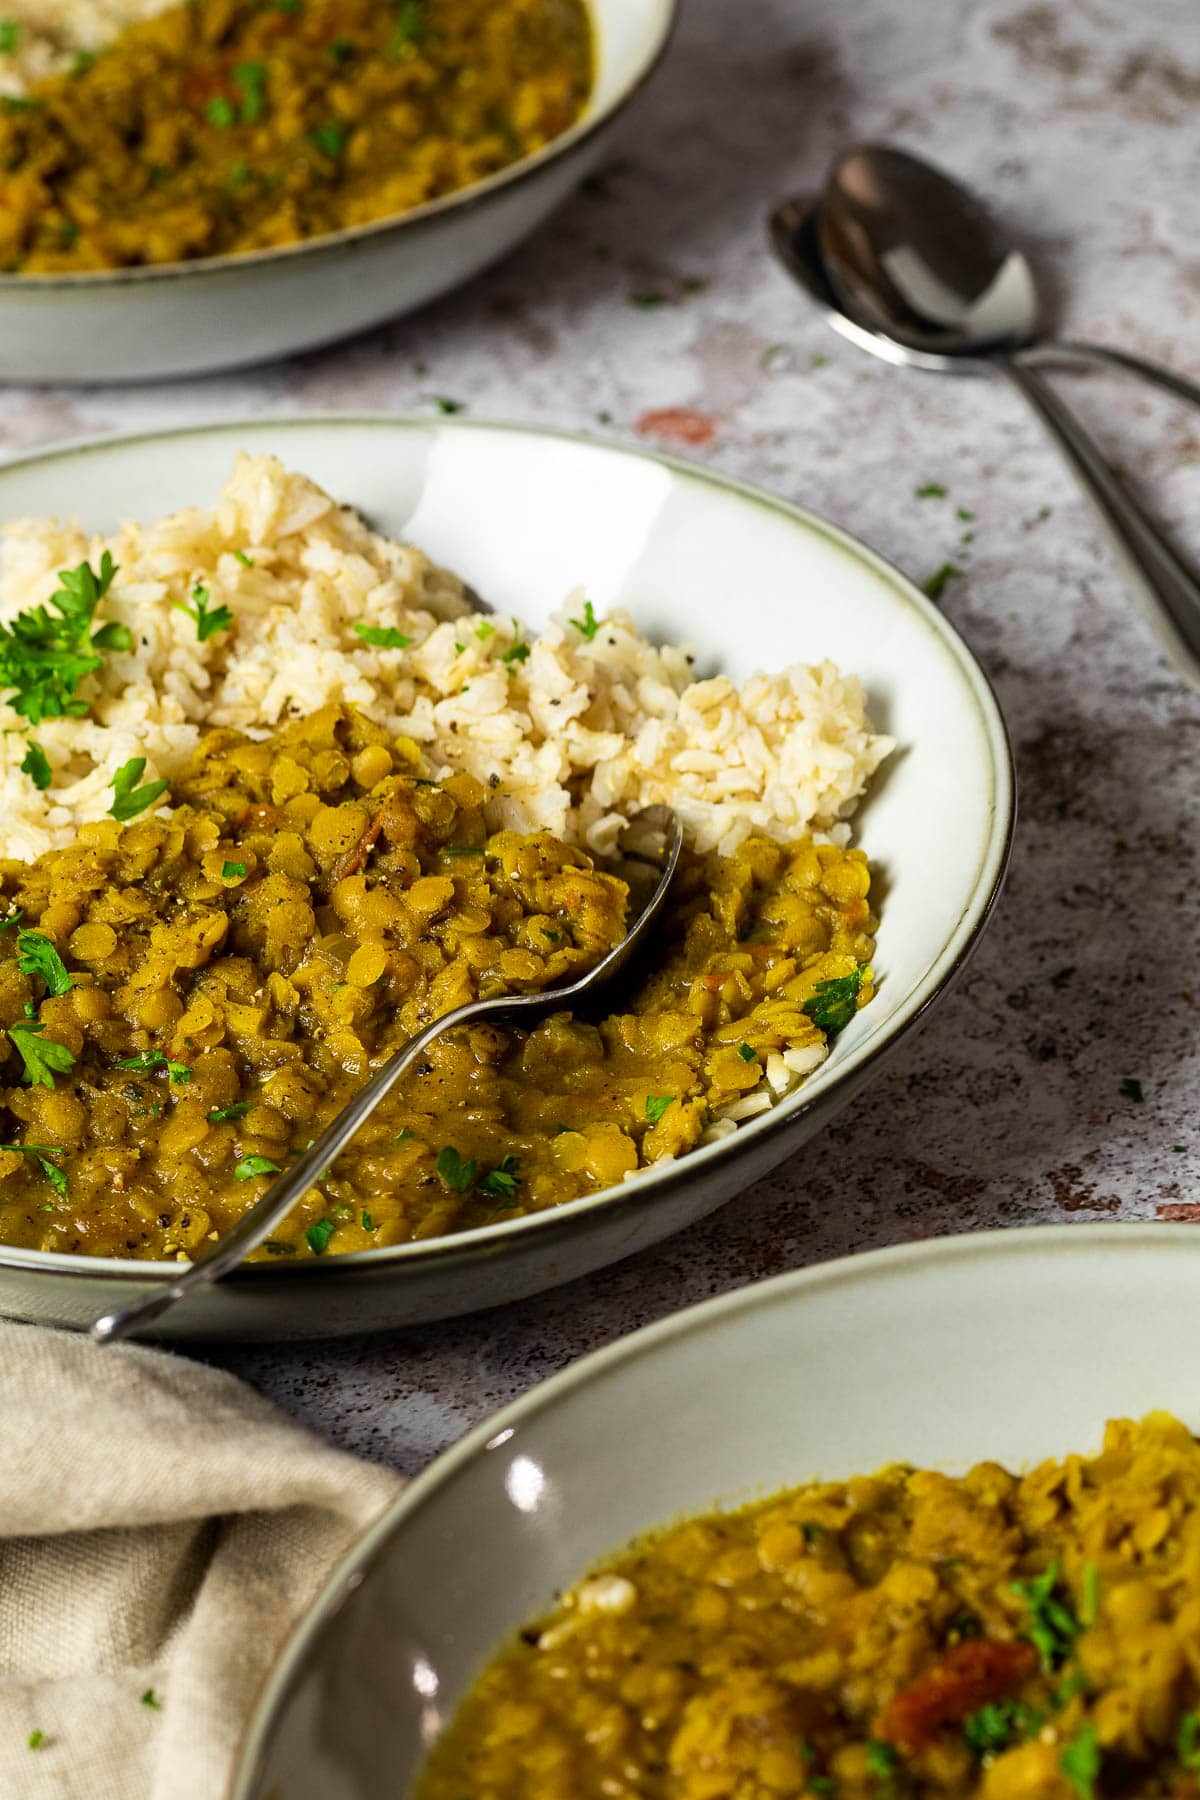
<point x="894" y="1637"/>
<point x="188" y="997"/>
<point x="226" y="126"/>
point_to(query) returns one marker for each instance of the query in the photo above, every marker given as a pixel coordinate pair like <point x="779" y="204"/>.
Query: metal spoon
<point x="991" y="333"/>
<point x="647" y="858"/>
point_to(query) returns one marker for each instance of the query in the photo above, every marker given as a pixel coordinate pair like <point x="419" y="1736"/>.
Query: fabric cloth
<point x="162" y="1528"/>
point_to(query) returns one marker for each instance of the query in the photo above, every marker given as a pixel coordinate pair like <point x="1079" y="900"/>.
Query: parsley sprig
<point x="208" y="622"/>
<point x="128" y="798"/>
<point x="43" y="1057"/>
<point x="148" y="1060"/>
<point x="44" y="658"/>
<point x="1053" y="1626"/>
<point x="41" y="1154"/>
<point x="36" y="955"/>
<point x="835" y="1001"/>
<point x="589" y="625"/>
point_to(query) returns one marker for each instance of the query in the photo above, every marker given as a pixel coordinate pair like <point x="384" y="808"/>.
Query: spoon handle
<point x="1168" y="590"/>
<point x="1074" y="350"/>
<point x="256" y="1225"/>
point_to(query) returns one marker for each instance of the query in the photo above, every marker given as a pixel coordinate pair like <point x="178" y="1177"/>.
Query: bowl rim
<point x="791" y="1287"/>
<point x="460" y="200"/>
<point x="556" y="1223"/>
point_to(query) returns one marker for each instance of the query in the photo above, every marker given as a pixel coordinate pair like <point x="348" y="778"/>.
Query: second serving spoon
<point x="647" y="857"/>
<point x="909" y="266"/>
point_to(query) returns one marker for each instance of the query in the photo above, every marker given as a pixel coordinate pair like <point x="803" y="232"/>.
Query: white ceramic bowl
<point x="219" y="312"/>
<point x="750" y="582"/>
<point x="1007" y="1345"/>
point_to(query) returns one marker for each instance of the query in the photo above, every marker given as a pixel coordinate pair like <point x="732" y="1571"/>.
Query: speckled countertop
<point x="1061" y="1080"/>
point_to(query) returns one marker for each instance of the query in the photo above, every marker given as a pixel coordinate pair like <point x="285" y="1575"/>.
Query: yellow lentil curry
<point x="186" y="997"/>
<point x="225" y="126"/>
<point x="888" y="1638"/>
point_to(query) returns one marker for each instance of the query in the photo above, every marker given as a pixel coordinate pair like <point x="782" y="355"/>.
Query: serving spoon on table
<point x="910" y="266"/>
<point x="646" y="859"/>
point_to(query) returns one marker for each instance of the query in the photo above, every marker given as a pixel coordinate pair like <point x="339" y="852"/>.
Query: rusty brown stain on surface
<point x="1073" y="1194"/>
<point x="1179" y="1212"/>
<point x="677" y="425"/>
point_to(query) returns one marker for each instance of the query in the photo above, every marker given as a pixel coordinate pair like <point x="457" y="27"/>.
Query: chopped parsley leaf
<point x="964" y="513"/>
<point x="250" y="1166"/>
<point x="410" y="28"/>
<point x="445" y="404"/>
<point x="36" y="1740"/>
<point x="250" y="79"/>
<point x="41" y="1154"/>
<point x="1187" y="1744"/>
<point x="1053" y="1627"/>
<point x="128" y="798"/>
<point x="330" y="140"/>
<point x="43" y="659"/>
<point x="935" y="584"/>
<point x="484" y="630"/>
<point x="519" y="653"/>
<point x="14" y="918"/>
<point x="219" y="112"/>
<point x="384" y="637"/>
<point x="10" y="36"/>
<point x="232" y="871"/>
<point x="656" y="1106"/>
<point x="457" y="1172"/>
<point x="502" y="1180"/>
<point x="148" y="1060"/>
<point x="997" y="1725"/>
<point x="882" y="1759"/>
<point x="771" y="354"/>
<point x="238" y="1110"/>
<point x="835" y="1001"/>
<point x="813" y="1533"/>
<point x="1131" y="1089"/>
<point x="747" y="1054"/>
<point x="318" y="1235"/>
<point x="402" y="1137"/>
<point x="1080" y="1762"/>
<point x="368" y="1223"/>
<point x="151" y="1699"/>
<point x="207" y="623"/>
<point x="36" y="765"/>
<point x="930" y="490"/>
<point x="36" y="955"/>
<point x="589" y="625"/>
<point x="247" y="562"/>
<point x="42" y="1056"/>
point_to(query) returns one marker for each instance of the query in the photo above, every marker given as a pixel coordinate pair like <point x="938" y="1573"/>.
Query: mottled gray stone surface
<point x="1079" y="118"/>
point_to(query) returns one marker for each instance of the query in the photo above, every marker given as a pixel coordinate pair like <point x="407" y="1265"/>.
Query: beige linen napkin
<point x="161" y="1529"/>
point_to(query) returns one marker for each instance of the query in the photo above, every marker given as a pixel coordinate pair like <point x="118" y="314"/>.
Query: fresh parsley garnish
<point x="882" y="1759"/>
<point x="238" y="1110"/>
<point x="935" y="584"/>
<point x="36" y="1740"/>
<point x="43" y="1057"/>
<point x="219" y="112"/>
<point x="456" y="1171"/>
<point x="930" y="490"/>
<point x="14" y="918"/>
<point x="835" y="1001"/>
<point x="385" y="637"/>
<point x="484" y="630"/>
<point x="998" y="1724"/>
<point x="1080" y="1762"/>
<point x="1187" y="1744"/>
<point x="247" y="562"/>
<point x="250" y="1166"/>
<point x="656" y="1106"/>
<point x="330" y="140"/>
<point x="36" y="955"/>
<point x="207" y="623"/>
<point x="318" y="1235"/>
<point x="368" y="1223"/>
<point x="747" y="1054"/>
<point x="519" y="653"/>
<point x="10" y="36"/>
<point x="445" y="404"/>
<point x="250" y="79"/>
<point x="151" y="1699"/>
<point x="148" y="1060"/>
<point x="503" y="1180"/>
<point x="43" y="659"/>
<point x="1053" y="1626"/>
<point x="128" y="798"/>
<point x="589" y="625"/>
<point x="232" y="871"/>
<point x="41" y="1154"/>
<point x="36" y="764"/>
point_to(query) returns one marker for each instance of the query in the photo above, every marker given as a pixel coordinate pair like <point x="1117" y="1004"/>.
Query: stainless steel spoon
<point x="894" y="318"/>
<point x="647" y="858"/>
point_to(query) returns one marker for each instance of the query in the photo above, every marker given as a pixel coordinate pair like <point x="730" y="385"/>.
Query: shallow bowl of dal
<point x="1001" y="1348"/>
<point x="220" y="311"/>
<point x="750" y="583"/>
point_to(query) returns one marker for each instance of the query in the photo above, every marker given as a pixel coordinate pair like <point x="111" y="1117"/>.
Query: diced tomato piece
<point x="965" y="1678"/>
